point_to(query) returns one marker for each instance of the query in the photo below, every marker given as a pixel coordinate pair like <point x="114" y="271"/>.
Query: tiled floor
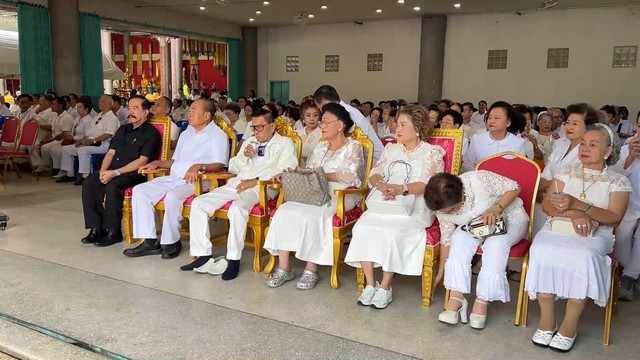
<point x="148" y="308"/>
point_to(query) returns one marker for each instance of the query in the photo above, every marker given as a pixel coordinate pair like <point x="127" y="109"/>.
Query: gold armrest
<point x="342" y="193"/>
<point x="277" y="185"/>
<point x="216" y="176"/>
<point x="152" y="174"/>
<point x="264" y="182"/>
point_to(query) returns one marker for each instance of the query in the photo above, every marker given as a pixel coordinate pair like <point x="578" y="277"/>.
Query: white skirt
<point x="395" y="243"/>
<point x="306" y="230"/>
<point x="570" y="267"/>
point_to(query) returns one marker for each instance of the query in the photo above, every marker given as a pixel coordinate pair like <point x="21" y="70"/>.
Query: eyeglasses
<point x="326" y="123"/>
<point x="258" y="128"/>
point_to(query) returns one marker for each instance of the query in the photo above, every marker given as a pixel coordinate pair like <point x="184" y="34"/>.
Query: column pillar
<point x="65" y="46"/>
<point x="176" y="68"/>
<point x="125" y="41"/>
<point x="432" y="41"/>
<point x="165" y="60"/>
<point x="250" y="63"/>
<point x="105" y="37"/>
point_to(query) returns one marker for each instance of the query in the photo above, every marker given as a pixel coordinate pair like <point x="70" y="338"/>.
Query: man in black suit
<point x="134" y="145"/>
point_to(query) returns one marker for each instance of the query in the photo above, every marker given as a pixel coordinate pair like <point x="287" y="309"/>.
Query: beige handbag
<point x="563" y="225"/>
<point x="310" y="188"/>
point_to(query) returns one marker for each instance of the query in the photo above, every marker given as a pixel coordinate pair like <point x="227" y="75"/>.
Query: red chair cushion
<point x="433" y="234"/>
<point x="12" y="153"/>
<point x="128" y="192"/>
<point x="257" y="209"/>
<point x="518" y="250"/>
<point x="449" y="145"/>
<point x="351" y="215"/>
<point x="186" y="202"/>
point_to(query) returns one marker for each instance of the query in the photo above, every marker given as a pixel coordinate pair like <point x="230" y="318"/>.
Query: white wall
<point x="398" y="40"/>
<point x="590" y="34"/>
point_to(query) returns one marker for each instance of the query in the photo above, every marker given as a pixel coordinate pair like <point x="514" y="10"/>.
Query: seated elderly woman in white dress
<point x="311" y="132"/>
<point x="486" y="197"/>
<point x="396" y="241"/>
<point x="306" y="229"/>
<point x="565" y="153"/>
<point x="504" y="124"/>
<point x="568" y="257"/>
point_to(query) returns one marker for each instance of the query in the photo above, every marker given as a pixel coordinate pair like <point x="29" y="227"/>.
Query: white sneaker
<point x="382" y="298"/>
<point x="562" y="343"/>
<point x="543" y="338"/>
<point x="367" y="294"/>
<point x="214" y="266"/>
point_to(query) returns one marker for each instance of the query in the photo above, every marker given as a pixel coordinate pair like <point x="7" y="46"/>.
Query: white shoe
<point x="453" y="317"/>
<point x="478" y="321"/>
<point x="214" y="266"/>
<point x="562" y="343"/>
<point x="60" y="175"/>
<point x="367" y="294"/>
<point x="543" y="338"/>
<point x="382" y="298"/>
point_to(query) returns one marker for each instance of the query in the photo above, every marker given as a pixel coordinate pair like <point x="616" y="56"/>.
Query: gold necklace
<point x="583" y="194"/>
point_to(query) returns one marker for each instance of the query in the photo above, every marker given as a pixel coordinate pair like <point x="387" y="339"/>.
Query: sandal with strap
<point x="478" y="321"/>
<point x="452" y="317"/>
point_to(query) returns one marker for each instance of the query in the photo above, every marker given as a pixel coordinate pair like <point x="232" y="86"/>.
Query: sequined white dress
<point x="574" y="267"/>
<point x="394" y="242"/>
<point x="307" y="229"/>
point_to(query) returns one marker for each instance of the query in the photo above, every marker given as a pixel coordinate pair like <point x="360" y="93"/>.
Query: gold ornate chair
<point x="451" y="142"/>
<point x="162" y="124"/>
<point x="343" y="221"/>
<point x="260" y="214"/>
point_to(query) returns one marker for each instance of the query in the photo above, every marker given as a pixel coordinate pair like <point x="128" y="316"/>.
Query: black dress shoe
<point x="93" y="236"/>
<point x="55" y="172"/>
<point x="148" y="247"/>
<point x="171" y="251"/>
<point x="66" y="179"/>
<point x="111" y="237"/>
<point x="79" y="181"/>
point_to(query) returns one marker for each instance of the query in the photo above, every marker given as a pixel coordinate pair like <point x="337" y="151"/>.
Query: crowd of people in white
<point x="591" y="179"/>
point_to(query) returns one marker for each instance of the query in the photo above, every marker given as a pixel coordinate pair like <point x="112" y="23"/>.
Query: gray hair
<point x="612" y="140"/>
<point x="544" y="114"/>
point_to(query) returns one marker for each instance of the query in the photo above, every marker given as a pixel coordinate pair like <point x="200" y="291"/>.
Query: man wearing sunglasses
<point x="263" y="156"/>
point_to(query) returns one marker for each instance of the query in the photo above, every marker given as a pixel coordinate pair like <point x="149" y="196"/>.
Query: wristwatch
<point x="405" y="190"/>
<point x="118" y="173"/>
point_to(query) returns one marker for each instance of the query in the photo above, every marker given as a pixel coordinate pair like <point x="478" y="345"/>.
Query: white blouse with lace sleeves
<point x="426" y="160"/>
<point x="380" y="167"/>
<point x="347" y="162"/>
<point x="446" y="230"/>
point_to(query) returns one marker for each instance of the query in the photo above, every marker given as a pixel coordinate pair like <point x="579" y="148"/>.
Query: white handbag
<point x="402" y="204"/>
<point x="563" y="225"/>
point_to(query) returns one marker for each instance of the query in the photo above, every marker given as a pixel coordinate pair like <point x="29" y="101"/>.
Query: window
<point x="497" y="59"/>
<point x="625" y="56"/>
<point x="374" y="62"/>
<point x="558" y="58"/>
<point x="293" y="63"/>
<point x="332" y="63"/>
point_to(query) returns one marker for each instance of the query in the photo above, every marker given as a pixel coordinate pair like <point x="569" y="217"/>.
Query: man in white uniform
<point x="61" y="126"/>
<point x="162" y="108"/>
<point x="263" y="156"/>
<point x="202" y="147"/>
<point x="24" y="114"/>
<point x="477" y="124"/>
<point x="102" y="129"/>
<point x="45" y="118"/>
<point x="121" y="113"/>
<point x="327" y="93"/>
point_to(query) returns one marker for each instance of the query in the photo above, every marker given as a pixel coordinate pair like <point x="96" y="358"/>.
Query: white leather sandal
<point x="452" y="317"/>
<point x="478" y="321"/>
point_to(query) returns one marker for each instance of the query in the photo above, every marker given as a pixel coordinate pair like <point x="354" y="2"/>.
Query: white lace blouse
<point x="481" y="191"/>
<point x="347" y="162"/>
<point x="597" y="185"/>
<point x="396" y="165"/>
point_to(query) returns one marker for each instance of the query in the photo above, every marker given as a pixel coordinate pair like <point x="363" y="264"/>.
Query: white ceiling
<point x="281" y="12"/>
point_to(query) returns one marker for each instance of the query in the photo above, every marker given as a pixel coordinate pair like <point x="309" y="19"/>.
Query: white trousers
<point x="203" y="207"/>
<point x="51" y="154"/>
<point x="492" y="280"/>
<point x="36" y="159"/>
<point x="84" y="157"/>
<point x="143" y="200"/>
<point x="627" y="251"/>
